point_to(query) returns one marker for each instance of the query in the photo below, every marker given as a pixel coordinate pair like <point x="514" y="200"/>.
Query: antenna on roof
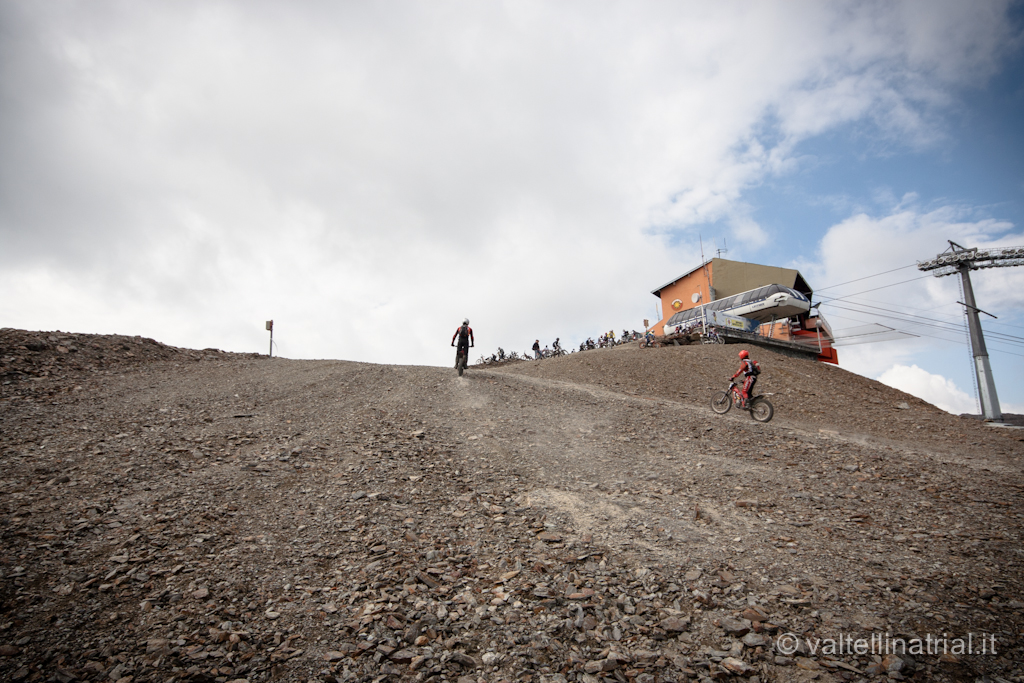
<point x="724" y="249"/>
<point x="707" y="279"/>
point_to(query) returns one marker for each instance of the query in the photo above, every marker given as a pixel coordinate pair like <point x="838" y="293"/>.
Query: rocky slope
<point x="203" y="516"/>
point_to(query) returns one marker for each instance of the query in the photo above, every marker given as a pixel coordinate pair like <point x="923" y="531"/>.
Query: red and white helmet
<point x="744" y="354"/>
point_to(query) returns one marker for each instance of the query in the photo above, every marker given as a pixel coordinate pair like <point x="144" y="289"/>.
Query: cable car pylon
<point x="958" y="259"/>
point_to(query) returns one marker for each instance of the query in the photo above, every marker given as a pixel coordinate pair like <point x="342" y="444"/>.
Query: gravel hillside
<point x="169" y="514"/>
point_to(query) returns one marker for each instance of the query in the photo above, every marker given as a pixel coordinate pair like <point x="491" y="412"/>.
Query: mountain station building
<point x="773" y="304"/>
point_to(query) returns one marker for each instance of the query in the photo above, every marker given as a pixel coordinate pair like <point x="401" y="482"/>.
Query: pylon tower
<point x="958" y="259"/>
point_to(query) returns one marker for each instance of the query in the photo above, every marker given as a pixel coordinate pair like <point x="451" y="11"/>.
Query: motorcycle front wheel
<point x="762" y="410"/>
<point x="721" y="403"/>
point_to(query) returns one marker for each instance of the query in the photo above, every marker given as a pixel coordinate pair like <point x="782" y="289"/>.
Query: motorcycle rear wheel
<point x="721" y="402"/>
<point x="761" y="409"/>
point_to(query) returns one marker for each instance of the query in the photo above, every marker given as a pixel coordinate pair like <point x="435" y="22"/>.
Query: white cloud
<point x="369" y="174"/>
<point x="865" y="244"/>
<point x="935" y="389"/>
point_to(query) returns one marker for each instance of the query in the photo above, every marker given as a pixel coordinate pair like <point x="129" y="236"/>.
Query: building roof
<point x="657" y="291"/>
<point x="732" y="277"/>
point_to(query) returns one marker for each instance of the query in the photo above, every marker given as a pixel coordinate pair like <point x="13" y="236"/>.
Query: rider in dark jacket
<point x="465" y="337"/>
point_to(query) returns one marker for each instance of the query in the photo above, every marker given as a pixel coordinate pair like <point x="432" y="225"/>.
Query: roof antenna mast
<point x="707" y="279"/>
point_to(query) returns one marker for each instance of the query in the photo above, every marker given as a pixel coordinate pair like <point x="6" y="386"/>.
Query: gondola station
<point x="737" y="302"/>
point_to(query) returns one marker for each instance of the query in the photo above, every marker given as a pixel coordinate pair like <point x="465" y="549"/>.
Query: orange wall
<point x="683" y="290"/>
<point x="780" y="330"/>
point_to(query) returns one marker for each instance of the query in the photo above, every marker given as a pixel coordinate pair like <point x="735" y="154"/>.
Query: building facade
<point x="720" y="278"/>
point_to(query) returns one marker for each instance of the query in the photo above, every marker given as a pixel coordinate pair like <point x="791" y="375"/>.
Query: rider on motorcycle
<point x="750" y="369"/>
<point x="466" y="341"/>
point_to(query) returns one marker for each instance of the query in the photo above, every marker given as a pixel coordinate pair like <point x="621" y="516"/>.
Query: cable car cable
<point x="866" y="277"/>
<point x="902" y="282"/>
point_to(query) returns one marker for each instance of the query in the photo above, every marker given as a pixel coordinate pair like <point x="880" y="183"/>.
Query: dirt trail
<point x="208" y="516"/>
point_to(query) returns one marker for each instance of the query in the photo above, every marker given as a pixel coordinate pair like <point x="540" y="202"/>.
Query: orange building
<point x="719" y="278"/>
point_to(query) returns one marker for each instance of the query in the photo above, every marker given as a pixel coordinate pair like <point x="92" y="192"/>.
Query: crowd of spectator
<point x="555" y="348"/>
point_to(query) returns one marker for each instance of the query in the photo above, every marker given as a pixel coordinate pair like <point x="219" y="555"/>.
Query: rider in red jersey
<point x="750" y="369"/>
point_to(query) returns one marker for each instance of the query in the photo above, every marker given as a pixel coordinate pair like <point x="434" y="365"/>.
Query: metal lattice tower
<point x="958" y="259"/>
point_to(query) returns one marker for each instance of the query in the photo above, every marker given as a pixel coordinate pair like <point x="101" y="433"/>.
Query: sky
<point x="368" y="174"/>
